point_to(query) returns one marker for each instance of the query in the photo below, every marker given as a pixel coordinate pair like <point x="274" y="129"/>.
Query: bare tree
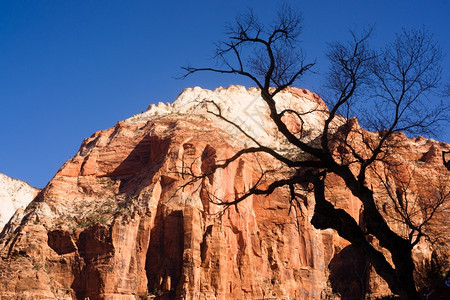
<point x="412" y="208"/>
<point x="398" y="79"/>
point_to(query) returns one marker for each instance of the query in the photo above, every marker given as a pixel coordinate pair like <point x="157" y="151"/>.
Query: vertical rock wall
<point x="124" y="219"/>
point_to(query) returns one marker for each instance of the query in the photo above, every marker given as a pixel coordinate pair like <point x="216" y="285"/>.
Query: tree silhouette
<point x="398" y="80"/>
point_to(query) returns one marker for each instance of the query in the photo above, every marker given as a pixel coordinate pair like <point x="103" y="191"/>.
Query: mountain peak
<point x="243" y="107"/>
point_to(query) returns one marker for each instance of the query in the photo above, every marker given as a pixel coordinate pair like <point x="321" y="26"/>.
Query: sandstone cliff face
<point x="119" y="221"/>
<point x="14" y="194"/>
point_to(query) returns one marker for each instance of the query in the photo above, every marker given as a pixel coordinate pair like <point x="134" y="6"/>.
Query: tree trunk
<point x="405" y="270"/>
<point x="399" y="247"/>
<point x="400" y="280"/>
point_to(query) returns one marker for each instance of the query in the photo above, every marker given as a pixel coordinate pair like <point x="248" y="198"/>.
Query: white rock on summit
<point x="14" y="194"/>
<point x="243" y="107"/>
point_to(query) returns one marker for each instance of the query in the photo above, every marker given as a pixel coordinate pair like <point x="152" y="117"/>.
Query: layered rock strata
<point x="124" y="219"/>
<point x="14" y="194"/>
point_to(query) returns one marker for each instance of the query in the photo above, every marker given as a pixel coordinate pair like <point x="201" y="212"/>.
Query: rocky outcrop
<point x="14" y="194"/>
<point x="124" y="219"/>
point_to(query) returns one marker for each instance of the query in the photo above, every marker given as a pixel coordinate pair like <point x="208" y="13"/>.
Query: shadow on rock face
<point x="138" y="169"/>
<point x="61" y="242"/>
<point x="348" y="270"/>
<point x="96" y="249"/>
<point x="165" y="254"/>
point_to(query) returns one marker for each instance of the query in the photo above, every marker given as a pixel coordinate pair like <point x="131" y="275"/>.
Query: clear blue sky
<point x="70" y="68"/>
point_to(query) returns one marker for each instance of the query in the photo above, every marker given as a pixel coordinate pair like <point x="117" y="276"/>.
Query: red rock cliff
<point x="116" y="222"/>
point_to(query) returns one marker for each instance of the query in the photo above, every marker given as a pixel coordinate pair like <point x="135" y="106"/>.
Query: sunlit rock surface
<point x="119" y="221"/>
<point x="14" y="194"/>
